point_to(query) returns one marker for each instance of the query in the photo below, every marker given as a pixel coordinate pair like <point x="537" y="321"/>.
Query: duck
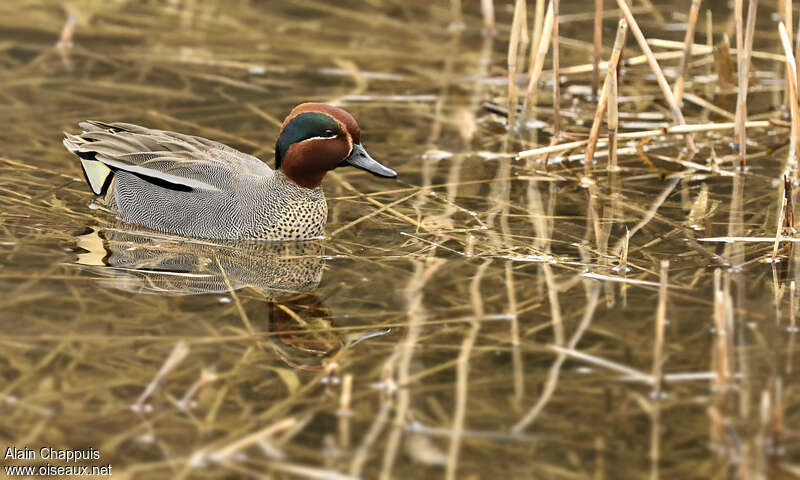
<point x="195" y="187"/>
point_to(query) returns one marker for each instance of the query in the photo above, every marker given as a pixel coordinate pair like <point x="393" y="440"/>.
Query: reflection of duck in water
<point x="286" y="272"/>
<point x="155" y="263"/>
<point x="306" y="327"/>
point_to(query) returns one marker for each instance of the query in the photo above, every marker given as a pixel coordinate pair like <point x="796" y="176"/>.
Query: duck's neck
<point x="282" y="181"/>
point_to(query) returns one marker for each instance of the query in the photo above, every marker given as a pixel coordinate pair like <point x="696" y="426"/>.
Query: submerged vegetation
<point x="587" y="269"/>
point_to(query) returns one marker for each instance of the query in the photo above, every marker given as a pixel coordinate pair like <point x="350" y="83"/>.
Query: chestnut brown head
<point x="316" y="138"/>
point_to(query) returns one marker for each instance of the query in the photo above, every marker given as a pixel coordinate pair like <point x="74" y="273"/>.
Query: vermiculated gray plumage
<point x="192" y="186"/>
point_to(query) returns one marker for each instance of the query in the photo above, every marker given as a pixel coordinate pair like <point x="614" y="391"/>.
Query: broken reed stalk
<point x="723" y="63"/>
<point x="661" y="318"/>
<point x="717" y="425"/>
<point x="740" y="55"/>
<point x="598" y="45"/>
<point x="796" y="44"/>
<point x="344" y="412"/>
<point x="782" y="204"/>
<point x="787" y="219"/>
<point x="744" y="74"/>
<point x="792" y="71"/>
<point x="654" y="411"/>
<point x="778" y="414"/>
<point x="179" y="352"/>
<point x="65" y="39"/>
<point x="536" y="34"/>
<point x="207" y="377"/>
<point x="673" y="130"/>
<point x="613" y="118"/>
<point x="619" y="42"/>
<point x="721" y="364"/>
<point x="788" y="212"/>
<point x="688" y="41"/>
<point x="792" y="305"/>
<point x="786" y="15"/>
<point x="699" y="50"/>
<point x="708" y="106"/>
<point x="710" y="45"/>
<point x="623" y="257"/>
<point x="513" y="49"/>
<point x="654" y="66"/>
<point x="487" y="10"/>
<point x="543" y="43"/>
<point x="556" y="76"/>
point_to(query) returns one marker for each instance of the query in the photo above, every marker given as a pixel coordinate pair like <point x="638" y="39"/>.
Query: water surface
<point x="474" y="318"/>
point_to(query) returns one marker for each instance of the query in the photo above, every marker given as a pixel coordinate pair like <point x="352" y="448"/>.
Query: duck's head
<point x="316" y="138"/>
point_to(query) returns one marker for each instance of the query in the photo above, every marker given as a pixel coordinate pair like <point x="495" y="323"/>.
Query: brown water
<point x="470" y="320"/>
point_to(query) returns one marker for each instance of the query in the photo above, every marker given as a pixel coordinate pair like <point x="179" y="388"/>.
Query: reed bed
<point x="587" y="268"/>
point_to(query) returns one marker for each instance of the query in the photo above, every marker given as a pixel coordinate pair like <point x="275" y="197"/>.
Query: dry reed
<point x="654" y="66"/>
<point x="391" y="364"/>
<point x="619" y="42"/>
<point x="688" y="41"/>
<point x="597" y="42"/>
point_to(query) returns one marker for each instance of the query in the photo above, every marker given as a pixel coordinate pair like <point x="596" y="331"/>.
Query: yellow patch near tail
<point x="95" y="249"/>
<point x="96" y="174"/>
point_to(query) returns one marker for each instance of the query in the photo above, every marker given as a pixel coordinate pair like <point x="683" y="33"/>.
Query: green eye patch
<point x="302" y="127"/>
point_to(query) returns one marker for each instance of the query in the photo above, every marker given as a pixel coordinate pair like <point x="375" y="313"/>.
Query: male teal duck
<point x="192" y="186"/>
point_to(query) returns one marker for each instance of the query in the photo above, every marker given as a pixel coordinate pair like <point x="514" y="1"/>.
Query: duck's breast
<point x="285" y="211"/>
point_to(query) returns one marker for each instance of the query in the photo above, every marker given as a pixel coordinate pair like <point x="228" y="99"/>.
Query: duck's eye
<point x="329" y="133"/>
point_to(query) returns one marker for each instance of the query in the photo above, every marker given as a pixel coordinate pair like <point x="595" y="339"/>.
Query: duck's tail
<point x="98" y="175"/>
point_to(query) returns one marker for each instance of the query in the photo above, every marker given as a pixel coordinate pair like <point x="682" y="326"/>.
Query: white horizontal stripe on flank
<point x="149" y="172"/>
<point x="166" y="272"/>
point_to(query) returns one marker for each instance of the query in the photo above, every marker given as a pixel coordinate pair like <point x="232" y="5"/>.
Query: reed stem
<point x="619" y="42"/>
<point x="744" y="73"/>
<point x="792" y="71"/>
<point x="538" y="62"/>
<point x="556" y="75"/>
<point x="513" y="49"/>
<point x="598" y="45"/>
<point x="661" y="317"/>
<point x="688" y="41"/>
<point x="654" y="66"/>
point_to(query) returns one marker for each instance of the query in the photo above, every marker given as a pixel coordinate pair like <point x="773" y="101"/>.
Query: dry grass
<point x="502" y="308"/>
